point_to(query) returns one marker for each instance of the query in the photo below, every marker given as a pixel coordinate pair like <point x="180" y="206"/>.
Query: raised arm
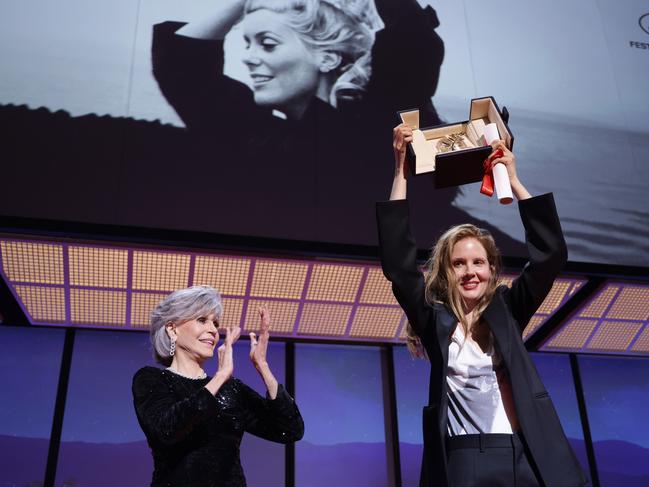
<point x="170" y="420"/>
<point x="277" y="419"/>
<point x="258" y="352"/>
<point x="189" y="72"/>
<point x="397" y="247"/>
<point x="164" y="418"/>
<point x="547" y="252"/>
<point x="546" y="246"/>
<point x="401" y="137"/>
<point x="216" y="25"/>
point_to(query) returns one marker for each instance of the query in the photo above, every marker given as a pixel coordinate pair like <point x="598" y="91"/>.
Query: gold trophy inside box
<point x="455" y="152"/>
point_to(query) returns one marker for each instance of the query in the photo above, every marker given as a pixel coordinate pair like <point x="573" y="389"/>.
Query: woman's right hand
<point x="401" y="137"/>
<point x="217" y="24"/>
<point x="225" y="355"/>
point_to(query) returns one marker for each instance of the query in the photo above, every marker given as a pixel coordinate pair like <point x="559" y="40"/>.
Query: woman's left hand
<point x="502" y="155"/>
<point x="508" y="159"/>
<point x="259" y="345"/>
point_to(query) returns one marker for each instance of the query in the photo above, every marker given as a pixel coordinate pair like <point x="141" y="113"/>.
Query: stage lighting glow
<point x="278" y="279"/>
<point x="232" y="309"/>
<point x="506" y="280"/>
<point x="160" y="271"/>
<point x="375" y="321"/>
<point x="642" y="343"/>
<point x="334" y="282"/>
<point x="631" y="304"/>
<point x="575" y="287"/>
<point x="574" y="335"/>
<point x="598" y="306"/>
<point x="377" y="289"/>
<point x="141" y="306"/>
<point x="98" y="267"/>
<point x="555" y="297"/>
<point x="535" y="322"/>
<point x="43" y="303"/>
<point x="282" y="315"/>
<point x="227" y="274"/>
<point x="117" y="286"/>
<point x="32" y="262"/>
<point x="98" y="307"/>
<point x="404" y="327"/>
<point x="614" y="336"/>
<point x="324" y="319"/>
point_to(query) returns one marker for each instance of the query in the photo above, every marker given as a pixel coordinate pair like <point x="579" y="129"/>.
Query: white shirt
<point x="478" y="389"/>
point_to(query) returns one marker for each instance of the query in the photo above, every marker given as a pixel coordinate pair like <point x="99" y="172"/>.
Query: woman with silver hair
<point x="193" y="422"/>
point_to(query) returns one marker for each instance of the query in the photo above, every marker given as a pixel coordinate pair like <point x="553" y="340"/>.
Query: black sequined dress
<point x="195" y="436"/>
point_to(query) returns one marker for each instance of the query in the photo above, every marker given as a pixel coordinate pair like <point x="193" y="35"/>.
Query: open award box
<point x="455" y="152"/>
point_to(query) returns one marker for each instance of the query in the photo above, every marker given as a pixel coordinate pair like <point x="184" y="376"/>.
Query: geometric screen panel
<point x="91" y="285"/>
<point x="613" y="321"/>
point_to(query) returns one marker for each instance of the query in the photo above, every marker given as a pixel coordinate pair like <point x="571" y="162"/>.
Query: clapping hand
<point x="226" y="362"/>
<point x="259" y="345"/>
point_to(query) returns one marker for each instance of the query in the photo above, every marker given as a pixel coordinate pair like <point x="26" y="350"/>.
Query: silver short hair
<point x="181" y="306"/>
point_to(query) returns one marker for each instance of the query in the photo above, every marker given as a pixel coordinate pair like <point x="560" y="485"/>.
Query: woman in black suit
<point x="489" y="420"/>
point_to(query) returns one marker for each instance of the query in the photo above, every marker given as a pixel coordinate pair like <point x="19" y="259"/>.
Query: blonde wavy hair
<point x="344" y="26"/>
<point x="441" y="282"/>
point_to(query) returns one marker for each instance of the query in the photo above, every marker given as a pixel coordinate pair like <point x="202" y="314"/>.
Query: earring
<point x="172" y="348"/>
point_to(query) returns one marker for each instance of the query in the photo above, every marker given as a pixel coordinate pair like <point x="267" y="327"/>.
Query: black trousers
<point x="489" y="460"/>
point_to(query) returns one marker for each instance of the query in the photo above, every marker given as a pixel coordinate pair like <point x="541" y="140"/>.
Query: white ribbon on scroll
<point x="501" y="178"/>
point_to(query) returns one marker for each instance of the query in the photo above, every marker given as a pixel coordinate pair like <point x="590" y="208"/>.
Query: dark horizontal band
<point x="493" y="440"/>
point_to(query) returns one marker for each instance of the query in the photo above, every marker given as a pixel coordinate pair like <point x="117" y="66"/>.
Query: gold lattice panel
<point x="614" y="336"/>
<point x="576" y="287"/>
<point x="573" y="335"/>
<point x="282" y="315"/>
<point x="324" y="319"/>
<point x="33" y="262"/>
<point x="404" y="329"/>
<point x="598" y="306"/>
<point x="377" y="289"/>
<point x="278" y="279"/>
<point x="375" y="322"/>
<point x="141" y="306"/>
<point x="160" y="271"/>
<point x="232" y="308"/>
<point x="98" y="267"/>
<point x="45" y="304"/>
<point x="331" y="282"/>
<point x="227" y="274"/>
<point x="554" y="297"/>
<point x="506" y="280"/>
<point x="642" y="343"/>
<point x="98" y="307"/>
<point x="535" y="322"/>
<point x="631" y="304"/>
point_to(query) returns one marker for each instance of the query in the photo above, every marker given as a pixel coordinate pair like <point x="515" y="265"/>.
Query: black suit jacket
<point x="507" y="315"/>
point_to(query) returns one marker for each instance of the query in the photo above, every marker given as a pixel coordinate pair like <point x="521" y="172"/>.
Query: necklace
<point x="202" y="374"/>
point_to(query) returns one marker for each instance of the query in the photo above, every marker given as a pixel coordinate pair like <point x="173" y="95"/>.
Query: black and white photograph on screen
<point x="272" y="118"/>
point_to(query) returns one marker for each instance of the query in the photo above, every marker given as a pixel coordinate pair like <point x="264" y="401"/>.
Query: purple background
<point x="338" y="389"/>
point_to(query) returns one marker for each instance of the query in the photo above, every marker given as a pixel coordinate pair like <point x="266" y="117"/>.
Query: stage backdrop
<point x="193" y="116"/>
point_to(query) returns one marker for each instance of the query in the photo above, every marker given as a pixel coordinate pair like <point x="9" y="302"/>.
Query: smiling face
<point x="284" y="71"/>
<point x="472" y="270"/>
<point x="197" y="338"/>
